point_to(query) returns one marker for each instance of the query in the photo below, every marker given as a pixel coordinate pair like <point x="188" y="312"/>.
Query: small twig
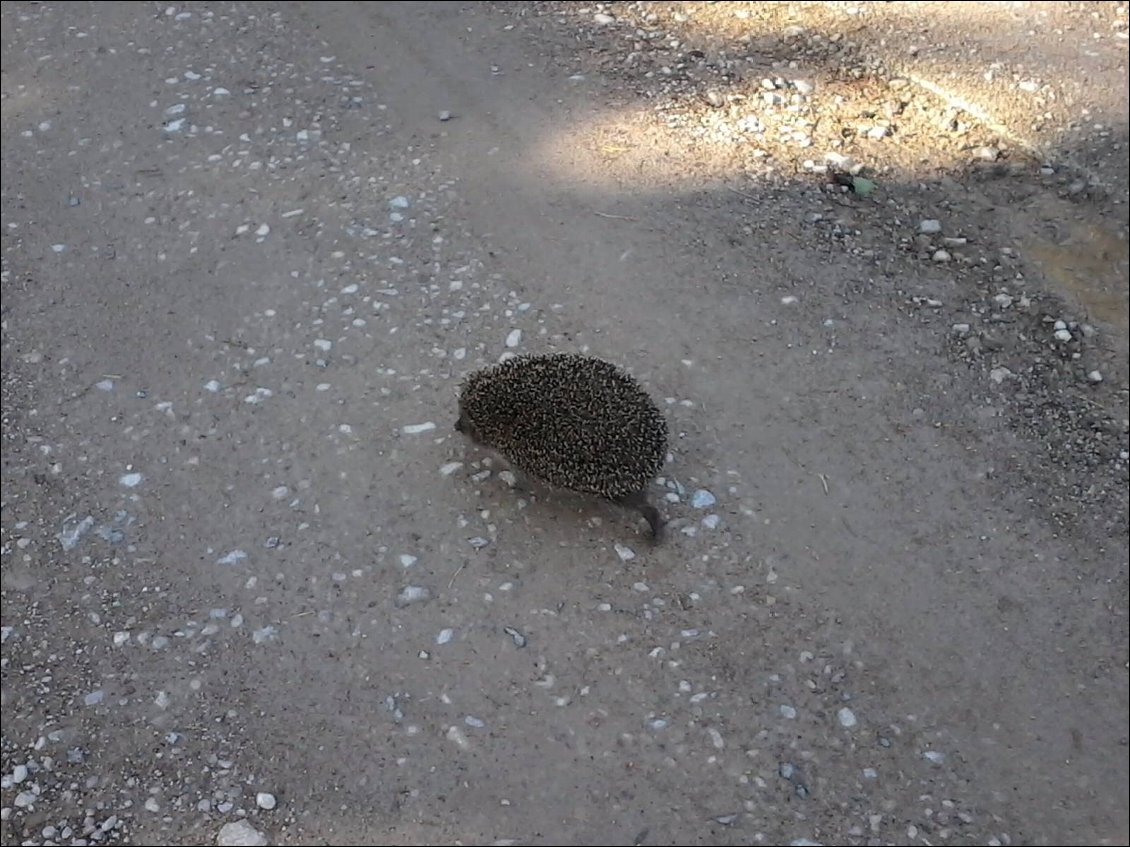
<point x="452" y="581"/>
<point x="741" y="193"/>
<point x="615" y="217"/>
<point x="790" y="457"/>
<point x="824" y="480"/>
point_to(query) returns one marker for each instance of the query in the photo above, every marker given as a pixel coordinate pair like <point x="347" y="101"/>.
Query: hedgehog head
<point x="485" y="415"/>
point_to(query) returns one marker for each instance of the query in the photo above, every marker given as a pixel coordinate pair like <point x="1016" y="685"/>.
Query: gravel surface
<point x="257" y="590"/>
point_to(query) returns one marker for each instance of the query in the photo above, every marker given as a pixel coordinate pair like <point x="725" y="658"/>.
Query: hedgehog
<point x="572" y="421"/>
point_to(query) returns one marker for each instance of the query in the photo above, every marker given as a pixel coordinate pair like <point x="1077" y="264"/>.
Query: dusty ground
<point x="249" y="249"/>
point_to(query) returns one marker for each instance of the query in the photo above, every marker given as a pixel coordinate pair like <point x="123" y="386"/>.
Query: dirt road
<point x="255" y="588"/>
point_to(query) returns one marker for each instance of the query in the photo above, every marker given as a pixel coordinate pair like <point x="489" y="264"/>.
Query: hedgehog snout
<point x="464" y="425"/>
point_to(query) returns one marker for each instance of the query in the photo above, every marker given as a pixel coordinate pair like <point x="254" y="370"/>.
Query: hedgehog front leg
<point x="638" y="502"/>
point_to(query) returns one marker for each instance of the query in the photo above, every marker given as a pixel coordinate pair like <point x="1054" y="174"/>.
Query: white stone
<point x="240" y="834"/>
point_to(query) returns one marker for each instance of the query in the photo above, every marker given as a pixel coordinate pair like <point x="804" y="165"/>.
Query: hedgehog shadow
<point x="562" y="506"/>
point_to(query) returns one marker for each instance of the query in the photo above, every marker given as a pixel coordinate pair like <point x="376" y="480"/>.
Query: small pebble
<point x="411" y="594"/>
<point x="942" y="256"/>
<point x="702" y="499"/>
<point x="265" y="800"/>
<point x="1095" y="376"/>
<point x="999" y="375"/>
<point x="930" y="226"/>
<point x="517" y="637"/>
<point x="240" y="834"/>
<point x="445" y="635"/>
<point x="626" y="554"/>
<point x="847" y="718"/>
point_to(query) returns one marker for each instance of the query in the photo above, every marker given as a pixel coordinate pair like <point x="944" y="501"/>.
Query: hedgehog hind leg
<point x="638" y="501"/>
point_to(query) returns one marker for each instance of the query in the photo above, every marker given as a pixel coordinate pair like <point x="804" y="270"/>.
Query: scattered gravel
<point x="183" y="681"/>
